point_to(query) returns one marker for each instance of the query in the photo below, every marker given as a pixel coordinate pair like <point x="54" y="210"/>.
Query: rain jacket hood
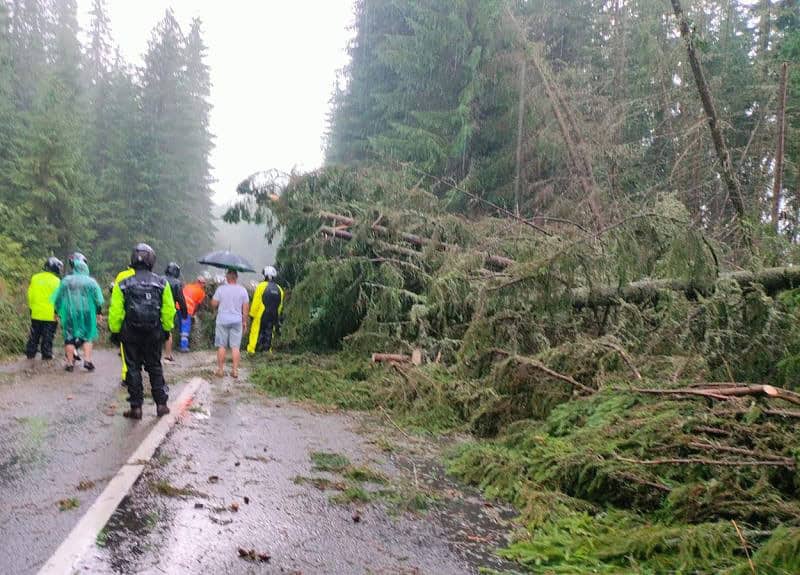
<point x="77" y="302"/>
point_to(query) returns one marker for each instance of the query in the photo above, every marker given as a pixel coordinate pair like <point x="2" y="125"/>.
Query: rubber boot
<point x="133" y="413"/>
<point x="162" y="410"/>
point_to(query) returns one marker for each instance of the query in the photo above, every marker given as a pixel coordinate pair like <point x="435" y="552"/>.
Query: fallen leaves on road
<point x="219" y="521"/>
<point x="213" y="479"/>
<point x="247" y="500"/>
<point x="253" y="555"/>
<point x="86" y="485"/>
<point x="234" y="507"/>
<point x="67" y="504"/>
<point x="260" y="458"/>
<point x="356" y="517"/>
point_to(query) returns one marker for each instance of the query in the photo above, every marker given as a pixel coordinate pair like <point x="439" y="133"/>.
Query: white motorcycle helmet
<point x="270" y="273"/>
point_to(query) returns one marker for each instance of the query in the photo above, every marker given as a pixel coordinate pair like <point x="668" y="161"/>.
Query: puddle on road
<point x="132" y="531"/>
<point x="22" y="447"/>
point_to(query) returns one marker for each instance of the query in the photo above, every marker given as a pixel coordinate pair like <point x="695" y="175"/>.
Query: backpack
<point x="271" y="299"/>
<point x="143" y="302"/>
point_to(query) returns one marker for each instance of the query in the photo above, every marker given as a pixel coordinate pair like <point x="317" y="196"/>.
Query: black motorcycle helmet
<point x="77" y="256"/>
<point x="173" y="270"/>
<point x="143" y="257"/>
<point x="54" y="265"/>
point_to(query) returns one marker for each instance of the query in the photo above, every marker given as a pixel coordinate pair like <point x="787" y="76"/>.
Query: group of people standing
<point x="142" y="313"/>
<point x="76" y="300"/>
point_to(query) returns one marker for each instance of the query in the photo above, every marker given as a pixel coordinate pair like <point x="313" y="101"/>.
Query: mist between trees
<point x="95" y="153"/>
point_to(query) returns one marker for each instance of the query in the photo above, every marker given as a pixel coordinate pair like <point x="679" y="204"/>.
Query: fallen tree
<point x="772" y="280"/>
<point x="492" y="261"/>
<point x="594" y="405"/>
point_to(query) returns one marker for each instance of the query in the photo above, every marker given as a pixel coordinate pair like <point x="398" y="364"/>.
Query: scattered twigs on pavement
<point x="392" y="421"/>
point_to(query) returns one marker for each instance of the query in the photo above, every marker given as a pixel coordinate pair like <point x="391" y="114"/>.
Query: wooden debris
<point x="391" y="358"/>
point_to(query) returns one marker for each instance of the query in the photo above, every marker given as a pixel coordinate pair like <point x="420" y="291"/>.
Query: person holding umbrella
<point x="232" y="304"/>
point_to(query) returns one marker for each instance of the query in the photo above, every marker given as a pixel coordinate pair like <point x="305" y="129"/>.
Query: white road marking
<point x="84" y="534"/>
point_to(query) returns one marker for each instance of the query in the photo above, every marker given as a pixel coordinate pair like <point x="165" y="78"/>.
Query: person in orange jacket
<point x="194" y="294"/>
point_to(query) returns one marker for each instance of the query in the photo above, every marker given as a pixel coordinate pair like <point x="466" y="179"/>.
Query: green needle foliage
<point x="94" y="155"/>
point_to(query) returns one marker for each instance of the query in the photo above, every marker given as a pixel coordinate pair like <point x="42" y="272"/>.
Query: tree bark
<point x="773" y="280"/>
<point x="491" y="260"/>
<point x="566" y="124"/>
<point x="723" y="154"/>
<point x="390" y="358"/>
<point x="765" y="26"/>
<point x="724" y="393"/>
<point x="523" y="93"/>
<point x="777" y="187"/>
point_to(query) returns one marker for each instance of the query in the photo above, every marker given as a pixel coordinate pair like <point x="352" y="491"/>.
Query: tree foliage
<point x="94" y="154"/>
<point x="437" y="85"/>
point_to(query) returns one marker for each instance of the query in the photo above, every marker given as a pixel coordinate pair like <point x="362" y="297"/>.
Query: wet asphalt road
<point x="233" y="474"/>
<point x="58" y="430"/>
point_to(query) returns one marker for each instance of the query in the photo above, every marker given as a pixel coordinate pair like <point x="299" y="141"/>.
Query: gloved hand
<point x="114" y="339"/>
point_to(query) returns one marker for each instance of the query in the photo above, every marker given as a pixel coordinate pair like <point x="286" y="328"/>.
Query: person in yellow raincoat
<point x="121" y="276"/>
<point x="43" y="314"/>
<point x="266" y="311"/>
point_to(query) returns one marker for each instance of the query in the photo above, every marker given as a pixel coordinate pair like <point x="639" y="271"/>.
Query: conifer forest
<point x="562" y="235"/>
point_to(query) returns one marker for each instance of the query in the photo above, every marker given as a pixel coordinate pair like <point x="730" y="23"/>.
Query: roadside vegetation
<point x="650" y="430"/>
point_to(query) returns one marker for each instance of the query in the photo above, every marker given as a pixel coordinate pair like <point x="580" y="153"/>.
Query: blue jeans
<point x="186" y="329"/>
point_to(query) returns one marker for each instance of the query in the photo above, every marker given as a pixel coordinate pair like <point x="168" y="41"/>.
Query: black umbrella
<point x="227" y="260"/>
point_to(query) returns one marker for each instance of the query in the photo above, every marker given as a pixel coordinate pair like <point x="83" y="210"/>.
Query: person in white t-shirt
<point x="232" y="304"/>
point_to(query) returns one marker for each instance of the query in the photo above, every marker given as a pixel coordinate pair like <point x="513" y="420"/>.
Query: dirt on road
<point x="251" y="484"/>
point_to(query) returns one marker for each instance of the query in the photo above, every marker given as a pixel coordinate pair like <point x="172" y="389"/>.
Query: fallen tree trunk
<point x="773" y="280"/>
<point x="701" y="461"/>
<point x="733" y="390"/>
<point x="390" y="358"/>
<point x="491" y="260"/>
<point x="714" y="124"/>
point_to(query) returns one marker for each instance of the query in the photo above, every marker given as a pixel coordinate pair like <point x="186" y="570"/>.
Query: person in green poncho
<point x="77" y="303"/>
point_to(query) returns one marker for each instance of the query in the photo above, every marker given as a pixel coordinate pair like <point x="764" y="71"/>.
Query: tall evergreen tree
<point x="197" y="89"/>
<point x="64" y="48"/>
<point x="27" y="34"/>
<point x="175" y="85"/>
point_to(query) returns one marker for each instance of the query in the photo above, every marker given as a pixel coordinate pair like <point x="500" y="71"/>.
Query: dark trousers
<point x="265" y="332"/>
<point x="41" y="335"/>
<point x="144" y="350"/>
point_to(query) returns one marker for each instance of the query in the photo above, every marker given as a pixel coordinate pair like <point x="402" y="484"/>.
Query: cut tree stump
<point x="391" y="358"/>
